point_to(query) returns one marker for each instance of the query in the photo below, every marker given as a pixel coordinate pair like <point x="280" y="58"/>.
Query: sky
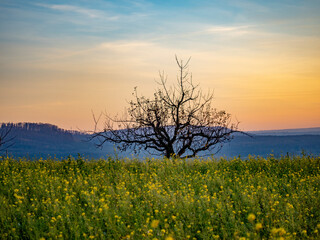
<point x="62" y="60"/>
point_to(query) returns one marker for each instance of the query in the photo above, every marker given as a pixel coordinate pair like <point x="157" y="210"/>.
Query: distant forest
<point x="26" y="127"/>
<point x="43" y="140"/>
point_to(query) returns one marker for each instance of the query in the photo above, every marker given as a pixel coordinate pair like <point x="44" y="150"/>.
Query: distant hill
<point x="43" y="140"/>
<point x="288" y="132"/>
<point x="264" y="145"/>
<point x="34" y="140"/>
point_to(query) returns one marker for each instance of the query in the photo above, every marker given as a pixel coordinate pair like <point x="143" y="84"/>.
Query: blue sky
<point x="61" y="59"/>
<point x="40" y="21"/>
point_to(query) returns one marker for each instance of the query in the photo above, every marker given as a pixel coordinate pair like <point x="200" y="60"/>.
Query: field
<point x="252" y="198"/>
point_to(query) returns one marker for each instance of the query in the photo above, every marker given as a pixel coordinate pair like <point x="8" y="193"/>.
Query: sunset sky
<point x="61" y="60"/>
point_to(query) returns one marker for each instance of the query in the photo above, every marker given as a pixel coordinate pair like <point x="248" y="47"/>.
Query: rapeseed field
<point x="252" y="198"/>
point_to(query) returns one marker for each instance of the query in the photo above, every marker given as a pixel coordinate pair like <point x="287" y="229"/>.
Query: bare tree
<point x="6" y="140"/>
<point x="178" y="121"/>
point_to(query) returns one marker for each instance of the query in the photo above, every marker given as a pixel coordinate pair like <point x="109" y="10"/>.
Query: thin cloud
<point x="123" y="44"/>
<point x="250" y="6"/>
<point x="92" y="13"/>
<point x="223" y="31"/>
<point x="228" y="29"/>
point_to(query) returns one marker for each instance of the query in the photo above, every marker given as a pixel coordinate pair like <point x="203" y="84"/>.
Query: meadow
<point x="251" y="198"/>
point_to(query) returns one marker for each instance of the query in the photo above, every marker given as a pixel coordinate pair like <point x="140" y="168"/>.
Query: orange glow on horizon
<point x="69" y="60"/>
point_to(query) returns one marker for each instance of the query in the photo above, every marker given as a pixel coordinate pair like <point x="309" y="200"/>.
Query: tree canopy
<point x="178" y="121"/>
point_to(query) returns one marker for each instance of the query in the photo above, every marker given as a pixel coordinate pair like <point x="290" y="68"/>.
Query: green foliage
<point x="255" y="198"/>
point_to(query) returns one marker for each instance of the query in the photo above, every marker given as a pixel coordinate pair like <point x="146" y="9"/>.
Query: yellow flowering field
<point x="251" y="198"/>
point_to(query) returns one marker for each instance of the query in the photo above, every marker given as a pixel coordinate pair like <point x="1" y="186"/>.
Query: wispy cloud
<point x="203" y="31"/>
<point x="237" y="30"/>
<point x="253" y="6"/>
<point x="91" y="13"/>
<point x="124" y="45"/>
<point x="225" y="28"/>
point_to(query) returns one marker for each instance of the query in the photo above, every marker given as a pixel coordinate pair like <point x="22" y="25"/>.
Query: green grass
<point x="253" y="198"/>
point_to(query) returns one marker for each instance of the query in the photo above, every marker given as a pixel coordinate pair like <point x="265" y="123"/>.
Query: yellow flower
<point x="251" y="217"/>
<point x="155" y="223"/>
<point x="281" y="231"/>
<point x="258" y="226"/>
<point x="169" y="238"/>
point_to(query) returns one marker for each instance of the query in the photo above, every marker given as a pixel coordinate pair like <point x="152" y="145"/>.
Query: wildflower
<point x="290" y="205"/>
<point x="154" y="223"/>
<point x="169" y="238"/>
<point x="258" y="226"/>
<point x="105" y="206"/>
<point x="251" y="217"/>
<point x="281" y="231"/>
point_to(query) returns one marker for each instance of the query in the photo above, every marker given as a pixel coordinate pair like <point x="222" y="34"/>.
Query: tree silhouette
<point x="178" y="121"/>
